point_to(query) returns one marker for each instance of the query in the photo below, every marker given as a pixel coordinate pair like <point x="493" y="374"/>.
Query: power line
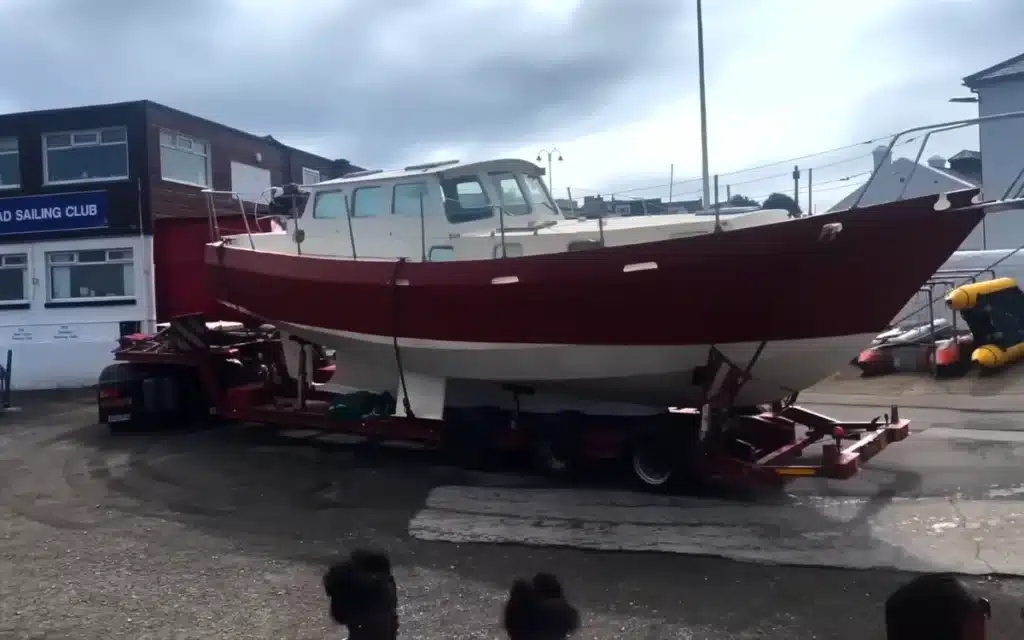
<point x="793" y="159"/>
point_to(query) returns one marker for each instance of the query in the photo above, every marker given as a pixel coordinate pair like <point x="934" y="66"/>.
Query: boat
<point x="453" y="279"/>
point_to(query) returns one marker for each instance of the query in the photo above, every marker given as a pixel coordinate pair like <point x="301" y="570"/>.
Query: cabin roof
<point x="456" y="167"/>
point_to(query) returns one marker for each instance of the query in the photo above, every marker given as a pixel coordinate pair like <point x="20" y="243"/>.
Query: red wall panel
<point x="179" y="269"/>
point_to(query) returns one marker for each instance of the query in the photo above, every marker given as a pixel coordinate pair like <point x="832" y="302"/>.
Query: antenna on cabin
<point x="431" y="165"/>
<point x="361" y="174"/>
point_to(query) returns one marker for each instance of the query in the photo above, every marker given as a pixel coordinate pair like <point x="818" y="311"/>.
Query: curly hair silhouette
<point x="538" y="610"/>
<point x="363" y="595"/>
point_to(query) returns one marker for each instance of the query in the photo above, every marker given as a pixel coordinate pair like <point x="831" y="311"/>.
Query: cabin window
<point x="465" y="200"/>
<point x="441" y="254"/>
<point x="583" y="245"/>
<point x="408" y="198"/>
<point x="329" y="205"/>
<point x="512" y="250"/>
<point x="510" y="195"/>
<point x="539" y="196"/>
<point x="369" y="202"/>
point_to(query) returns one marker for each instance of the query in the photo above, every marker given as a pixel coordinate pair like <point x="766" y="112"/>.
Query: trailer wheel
<point x="651" y="465"/>
<point x="664" y="456"/>
<point x="554" y="446"/>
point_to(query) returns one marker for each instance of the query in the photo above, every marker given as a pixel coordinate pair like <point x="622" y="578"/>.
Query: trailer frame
<point x="192" y="369"/>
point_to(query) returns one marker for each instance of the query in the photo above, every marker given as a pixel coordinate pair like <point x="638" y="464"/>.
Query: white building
<point x="66" y="302"/>
<point x="103" y="224"/>
<point x="901" y="178"/>
<point x="1000" y="89"/>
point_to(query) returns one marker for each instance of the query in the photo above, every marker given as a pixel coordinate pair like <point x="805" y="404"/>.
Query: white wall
<point x="68" y="346"/>
<point x="1002" y="157"/>
<point x="250" y="182"/>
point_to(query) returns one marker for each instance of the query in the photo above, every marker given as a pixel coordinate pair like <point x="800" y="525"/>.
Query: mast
<point x="706" y="173"/>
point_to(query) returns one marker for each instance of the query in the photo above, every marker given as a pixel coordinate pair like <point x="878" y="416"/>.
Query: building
<point x="1000" y="89"/>
<point x="902" y="178"/>
<point x="102" y="225"/>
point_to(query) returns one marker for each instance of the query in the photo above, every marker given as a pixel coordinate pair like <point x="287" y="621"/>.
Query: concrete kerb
<point x="1011" y="403"/>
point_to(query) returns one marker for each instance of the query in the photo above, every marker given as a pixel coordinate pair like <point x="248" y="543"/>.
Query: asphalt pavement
<point x="223" y="533"/>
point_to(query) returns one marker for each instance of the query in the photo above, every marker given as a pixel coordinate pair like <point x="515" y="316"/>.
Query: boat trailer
<point x="191" y="370"/>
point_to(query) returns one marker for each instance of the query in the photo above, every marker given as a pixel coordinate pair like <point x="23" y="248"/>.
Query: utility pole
<point x="718" y="221"/>
<point x="796" y="186"/>
<point x="810" y="191"/>
<point x="671" y="181"/>
<point x="728" y="193"/>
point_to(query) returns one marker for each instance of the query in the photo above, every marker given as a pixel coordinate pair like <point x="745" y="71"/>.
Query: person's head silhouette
<point x="537" y="610"/>
<point x="363" y="596"/>
<point x="935" y="607"/>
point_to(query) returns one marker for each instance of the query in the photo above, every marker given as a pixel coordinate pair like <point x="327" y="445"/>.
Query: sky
<point x="611" y="84"/>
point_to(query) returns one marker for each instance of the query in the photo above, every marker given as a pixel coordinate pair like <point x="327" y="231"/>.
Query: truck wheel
<point x="652" y="465"/>
<point x="664" y="456"/>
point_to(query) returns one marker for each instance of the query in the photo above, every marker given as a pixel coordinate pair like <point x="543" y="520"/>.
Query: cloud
<point x="611" y="83"/>
<point x="383" y="78"/>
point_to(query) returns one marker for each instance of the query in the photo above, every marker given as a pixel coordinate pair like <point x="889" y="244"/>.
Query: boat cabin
<point x="452" y="210"/>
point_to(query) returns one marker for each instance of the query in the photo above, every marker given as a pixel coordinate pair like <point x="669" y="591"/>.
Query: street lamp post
<point x="550" y="153"/>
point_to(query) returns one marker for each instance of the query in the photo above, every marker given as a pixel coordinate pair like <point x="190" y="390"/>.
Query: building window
<point x="409" y="198"/>
<point x="329" y="205"/>
<point x="369" y="202"/>
<point x="13" y="278"/>
<point x="91" y="273"/>
<point x="95" y="155"/>
<point x="310" y="176"/>
<point x="10" y="167"/>
<point x="184" y="159"/>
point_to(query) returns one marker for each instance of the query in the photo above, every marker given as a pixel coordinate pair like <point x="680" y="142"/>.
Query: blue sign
<point x="53" y="212"/>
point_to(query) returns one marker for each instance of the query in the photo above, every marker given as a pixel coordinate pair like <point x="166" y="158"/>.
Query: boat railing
<point x="254" y="221"/>
<point x="224" y="197"/>
<point x="1011" y="197"/>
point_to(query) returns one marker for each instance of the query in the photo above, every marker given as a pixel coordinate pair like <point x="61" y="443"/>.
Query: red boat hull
<point x="776" y="282"/>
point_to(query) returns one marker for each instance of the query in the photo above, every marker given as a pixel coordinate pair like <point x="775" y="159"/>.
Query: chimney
<point x="881" y="154"/>
<point x="937" y="162"/>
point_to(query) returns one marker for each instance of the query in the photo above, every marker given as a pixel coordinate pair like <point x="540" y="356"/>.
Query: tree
<point x="782" y="201"/>
<point x="742" y="201"/>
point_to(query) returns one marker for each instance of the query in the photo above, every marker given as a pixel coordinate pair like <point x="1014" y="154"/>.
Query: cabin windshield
<point x="465" y="199"/>
<point x="510" y="194"/>
<point x="539" y="196"/>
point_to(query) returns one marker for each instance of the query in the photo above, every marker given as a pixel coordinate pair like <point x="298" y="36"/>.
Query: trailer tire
<point x="556" y="448"/>
<point x="664" y="456"/>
